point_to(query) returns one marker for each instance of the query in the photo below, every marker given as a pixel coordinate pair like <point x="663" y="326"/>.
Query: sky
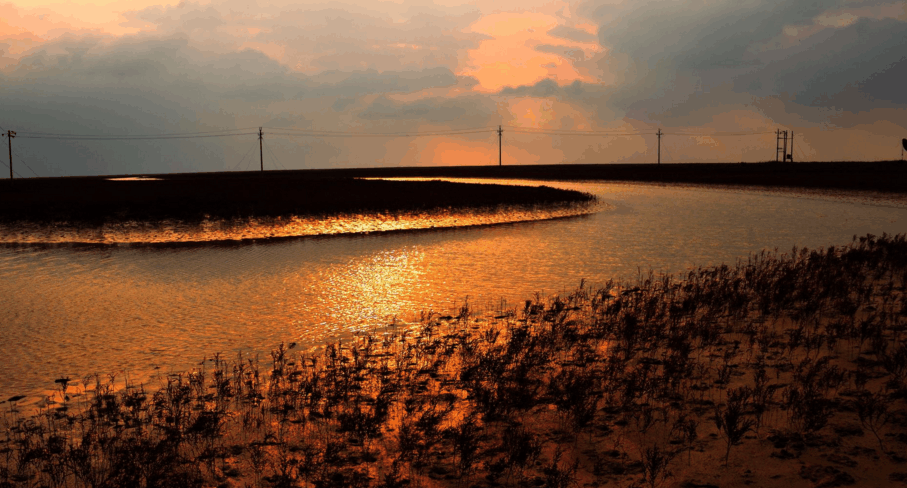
<point x="717" y="77"/>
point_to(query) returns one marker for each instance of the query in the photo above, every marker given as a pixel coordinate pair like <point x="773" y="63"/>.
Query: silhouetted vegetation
<point x="632" y="383"/>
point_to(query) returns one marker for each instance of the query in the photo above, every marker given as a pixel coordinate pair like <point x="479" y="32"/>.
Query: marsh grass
<point x="602" y="385"/>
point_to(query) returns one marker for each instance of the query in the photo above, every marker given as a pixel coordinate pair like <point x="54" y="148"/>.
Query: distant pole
<point x="500" y="151"/>
<point x="261" y="157"/>
<point x="777" y="143"/>
<point x="659" y="145"/>
<point x="785" y="146"/>
<point x="9" y="135"/>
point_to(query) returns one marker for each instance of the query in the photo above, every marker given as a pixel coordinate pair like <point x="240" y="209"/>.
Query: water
<point x="139" y="310"/>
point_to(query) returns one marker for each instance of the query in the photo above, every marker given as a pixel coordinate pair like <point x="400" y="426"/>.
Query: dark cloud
<point x="562" y="51"/>
<point x="357" y="83"/>
<point x="461" y="112"/>
<point x="864" y="55"/>
<point x="572" y="34"/>
<point x="158" y="86"/>
<point x="392" y="66"/>
<point x="677" y="59"/>
<point x="320" y="37"/>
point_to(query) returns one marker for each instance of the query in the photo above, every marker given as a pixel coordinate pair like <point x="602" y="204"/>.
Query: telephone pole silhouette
<point x="779" y="136"/>
<point x="261" y="157"/>
<point x="659" y="133"/>
<point x="10" y="134"/>
<point x="500" y="138"/>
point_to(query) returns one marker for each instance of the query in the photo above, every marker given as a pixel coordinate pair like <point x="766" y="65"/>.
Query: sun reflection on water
<point x="370" y="289"/>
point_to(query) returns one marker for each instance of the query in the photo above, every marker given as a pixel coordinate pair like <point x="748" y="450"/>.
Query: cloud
<point x="572" y="34"/>
<point x="414" y="65"/>
<point x="465" y="112"/>
<point x="157" y="86"/>
<point x="315" y="37"/>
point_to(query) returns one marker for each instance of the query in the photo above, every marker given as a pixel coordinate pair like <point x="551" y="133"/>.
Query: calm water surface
<point x="140" y="310"/>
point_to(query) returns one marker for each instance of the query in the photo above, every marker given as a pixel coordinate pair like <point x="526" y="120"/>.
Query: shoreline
<point x="197" y="198"/>
<point x="244" y="231"/>
<point x="882" y="176"/>
<point x="800" y="357"/>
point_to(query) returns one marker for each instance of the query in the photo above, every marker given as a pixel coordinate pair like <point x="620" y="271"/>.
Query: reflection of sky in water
<point x="77" y="310"/>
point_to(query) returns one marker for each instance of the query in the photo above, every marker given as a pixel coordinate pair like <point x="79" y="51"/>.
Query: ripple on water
<point x="137" y="311"/>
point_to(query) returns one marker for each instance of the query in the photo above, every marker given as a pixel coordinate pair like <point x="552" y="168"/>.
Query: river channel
<point x="137" y="311"/>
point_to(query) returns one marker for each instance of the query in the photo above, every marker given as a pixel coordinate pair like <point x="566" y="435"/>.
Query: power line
<point x="370" y="134"/>
<point x="593" y="134"/>
<point x="243" y="158"/>
<point x="573" y="131"/>
<point x="133" y="138"/>
<point x="246" y="168"/>
<point x="381" y="134"/>
<point x="274" y="156"/>
<point x="166" y="134"/>
<point x="14" y="171"/>
<point x="22" y="160"/>
<point x="717" y="134"/>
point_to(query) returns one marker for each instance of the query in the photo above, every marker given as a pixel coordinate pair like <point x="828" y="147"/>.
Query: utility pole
<point x="785" y="146"/>
<point x="261" y="157"/>
<point x="500" y="138"/>
<point x="659" y="145"/>
<point x="777" y="143"/>
<point x="10" y="134"/>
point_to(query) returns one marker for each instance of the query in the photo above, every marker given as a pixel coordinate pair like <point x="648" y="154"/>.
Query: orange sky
<point x="613" y="65"/>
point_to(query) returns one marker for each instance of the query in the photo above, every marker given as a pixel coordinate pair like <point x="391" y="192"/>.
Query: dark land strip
<point x="879" y="176"/>
<point x="269" y="194"/>
<point x="192" y="196"/>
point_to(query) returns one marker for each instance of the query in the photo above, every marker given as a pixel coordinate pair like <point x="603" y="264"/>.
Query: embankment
<point x="232" y="195"/>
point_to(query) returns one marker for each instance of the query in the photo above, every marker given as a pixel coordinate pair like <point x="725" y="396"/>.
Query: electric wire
<point x="243" y="158"/>
<point x="376" y="134"/>
<point x="222" y="132"/>
<point x="22" y="160"/>
<point x="273" y="155"/>
<point x="14" y="171"/>
<point x="328" y="133"/>
<point x="716" y="134"/>
<point x="132" y="138"/>
<point x="246" y="168"/>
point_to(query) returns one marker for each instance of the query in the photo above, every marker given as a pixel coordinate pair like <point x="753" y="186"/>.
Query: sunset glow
<point x="511" y="58"/>
<point x="150" y="67"/>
